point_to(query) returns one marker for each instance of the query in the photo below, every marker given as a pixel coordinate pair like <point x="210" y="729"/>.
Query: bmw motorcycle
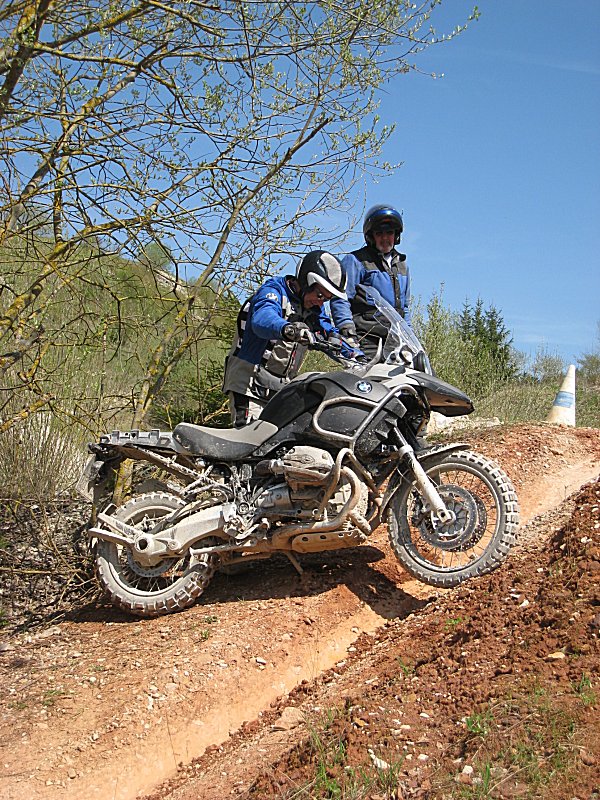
<point x="332" y="457"/>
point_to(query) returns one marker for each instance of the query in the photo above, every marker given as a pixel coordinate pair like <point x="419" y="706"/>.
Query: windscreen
<point x="401" y="345"/>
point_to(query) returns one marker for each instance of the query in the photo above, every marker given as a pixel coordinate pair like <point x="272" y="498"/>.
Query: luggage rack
<point x="152" y="438"/>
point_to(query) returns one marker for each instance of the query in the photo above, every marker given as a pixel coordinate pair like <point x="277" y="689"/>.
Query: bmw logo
<point x="364" y="387"/>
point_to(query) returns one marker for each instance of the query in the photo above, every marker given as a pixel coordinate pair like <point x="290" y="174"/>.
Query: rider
<point x="380" y="266"/>
<point x="275" y="327"/>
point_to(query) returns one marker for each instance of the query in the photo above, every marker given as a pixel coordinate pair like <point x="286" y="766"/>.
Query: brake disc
<point x="466" y="527"/>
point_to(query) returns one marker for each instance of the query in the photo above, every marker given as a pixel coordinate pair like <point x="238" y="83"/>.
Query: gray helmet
<point x="382" y="218"/>
<point x="321" y="267"/>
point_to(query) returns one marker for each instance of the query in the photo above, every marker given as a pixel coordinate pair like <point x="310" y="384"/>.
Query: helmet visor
<point x="314" y="280"/>
<point x="387" y="226"/>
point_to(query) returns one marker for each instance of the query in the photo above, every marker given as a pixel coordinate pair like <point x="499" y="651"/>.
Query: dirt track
<point x="103" y="706"/>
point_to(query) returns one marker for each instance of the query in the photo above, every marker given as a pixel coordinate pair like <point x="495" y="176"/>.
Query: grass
<point x="335" y="777"/>
<point x="585" y="691"/>
<point x="528" y="401"/>
<point x="480" y="724"/>
<point x="51" y="696"/>
<point x="406" y="669"/>
<point x="483" y="784"/>
<point x="454" y="622"/>
<point x="526" y="743"/>
<point x="330" y="754"/>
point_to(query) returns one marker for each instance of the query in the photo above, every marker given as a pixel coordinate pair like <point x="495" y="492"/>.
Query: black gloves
<point x="297" y="332"/>
<point x="335" y="343"/>
<point x="348" y="332"/>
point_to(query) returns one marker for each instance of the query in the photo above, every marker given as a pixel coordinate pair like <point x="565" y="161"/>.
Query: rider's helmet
<point x="382" y="218"/>
<point x="321" y="267"/>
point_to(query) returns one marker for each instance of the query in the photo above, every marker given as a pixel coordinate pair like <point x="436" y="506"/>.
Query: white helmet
<point x="321" y="267"/>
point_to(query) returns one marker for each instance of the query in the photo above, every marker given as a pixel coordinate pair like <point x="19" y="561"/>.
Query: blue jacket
<point x="367" y="267"/>
<point x="260" y="361"/>
<point x="270" y="308"/>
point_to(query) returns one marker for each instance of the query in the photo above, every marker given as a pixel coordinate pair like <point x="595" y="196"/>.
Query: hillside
<point x="352" y="676"/>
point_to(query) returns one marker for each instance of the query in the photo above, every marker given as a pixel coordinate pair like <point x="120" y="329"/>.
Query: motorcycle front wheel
<point x="486" y="516"/>
<point x="171" y="585"/>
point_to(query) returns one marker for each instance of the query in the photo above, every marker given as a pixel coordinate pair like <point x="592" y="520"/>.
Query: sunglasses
<point x="318" y="293"/>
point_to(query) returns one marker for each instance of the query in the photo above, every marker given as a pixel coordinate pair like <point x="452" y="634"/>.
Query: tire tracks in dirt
<point x="143" y="722"/>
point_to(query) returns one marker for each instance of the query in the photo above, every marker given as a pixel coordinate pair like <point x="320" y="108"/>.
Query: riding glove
<point x="348" y="332"/>
<point x="297" y="332"/>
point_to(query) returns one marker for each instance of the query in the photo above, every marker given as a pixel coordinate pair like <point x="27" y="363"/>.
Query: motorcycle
<point x="332" y="456"/>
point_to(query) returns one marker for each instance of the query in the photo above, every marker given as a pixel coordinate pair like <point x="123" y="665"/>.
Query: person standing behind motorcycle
<point x="380" y="266"/>
<point x="274" y="330"/>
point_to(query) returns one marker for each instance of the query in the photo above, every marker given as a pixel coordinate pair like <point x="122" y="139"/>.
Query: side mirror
<point x="420" y="362"/>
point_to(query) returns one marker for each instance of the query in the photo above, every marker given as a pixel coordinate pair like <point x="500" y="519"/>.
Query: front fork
<point x="435" y="506"/>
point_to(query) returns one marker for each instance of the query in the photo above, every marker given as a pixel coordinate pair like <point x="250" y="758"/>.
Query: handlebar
<point x="344" y="354"/>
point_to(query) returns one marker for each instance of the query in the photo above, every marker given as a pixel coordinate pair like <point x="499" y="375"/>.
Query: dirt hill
<point x="351" y="681"/>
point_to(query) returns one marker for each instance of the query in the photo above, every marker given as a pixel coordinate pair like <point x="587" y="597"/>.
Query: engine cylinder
<point x="300" y="465"/>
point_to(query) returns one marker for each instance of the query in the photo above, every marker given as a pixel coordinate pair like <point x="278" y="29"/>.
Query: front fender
<point x="401" y="474"/>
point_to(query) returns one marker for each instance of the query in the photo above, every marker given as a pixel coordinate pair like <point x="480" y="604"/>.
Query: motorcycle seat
<point x="223" y="443"/>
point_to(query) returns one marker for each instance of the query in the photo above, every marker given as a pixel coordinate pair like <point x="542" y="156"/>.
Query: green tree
<point x="589" y="364"/>
<point x="222" y="131"/>
<point x="157" y="256"/>
<point x="547" y="366"/>
<point x="441" y="339"/>
<point x="484" y="331"/>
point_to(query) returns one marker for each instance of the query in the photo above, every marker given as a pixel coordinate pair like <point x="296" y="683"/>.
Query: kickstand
<point x="295" y="563"/>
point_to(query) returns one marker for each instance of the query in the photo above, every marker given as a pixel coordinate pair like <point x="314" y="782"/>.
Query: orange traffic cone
<point x="563" y="409"/>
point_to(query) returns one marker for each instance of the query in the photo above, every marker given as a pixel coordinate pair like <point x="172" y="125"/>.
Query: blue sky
<point x="500" y="181"/>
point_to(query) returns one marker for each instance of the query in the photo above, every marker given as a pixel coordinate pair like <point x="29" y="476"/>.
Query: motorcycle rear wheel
<point x="172" y="585"/>
<point x="477" y="542"/>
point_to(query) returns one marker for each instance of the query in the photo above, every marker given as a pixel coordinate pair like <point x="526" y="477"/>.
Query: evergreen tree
<point x="485" y="333"/>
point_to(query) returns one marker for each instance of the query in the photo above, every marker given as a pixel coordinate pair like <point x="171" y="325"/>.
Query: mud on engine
<point x="307" y="473"/>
